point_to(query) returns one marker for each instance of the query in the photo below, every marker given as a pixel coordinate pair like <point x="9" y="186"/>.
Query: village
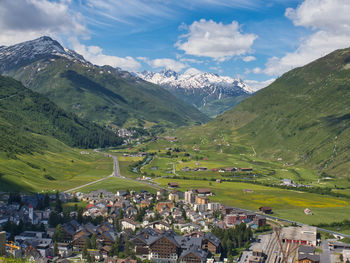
<point x="169" y="226"/>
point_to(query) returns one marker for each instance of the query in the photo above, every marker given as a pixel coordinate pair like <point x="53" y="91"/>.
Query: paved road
<point x="325" y="256"/>
<point x="116" y="172"/>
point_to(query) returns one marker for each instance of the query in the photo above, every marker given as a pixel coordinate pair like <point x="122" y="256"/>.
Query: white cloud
<point x="249" y="58"/>
<point x="330" y="21"/>
<point x="215" y="40"/>
<point x="166" y="63"/>
<point x="95" y="55"/>
<point x="192" y="71"/>
<point x="256" y="85"/>
<point x="31" y="19"/>
<point x="257" y="70"/>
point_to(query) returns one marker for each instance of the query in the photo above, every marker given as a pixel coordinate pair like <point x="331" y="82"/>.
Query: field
<point x="114" y="184"/>
<point x="285" y="203"/>
<point x="60" y="168"/>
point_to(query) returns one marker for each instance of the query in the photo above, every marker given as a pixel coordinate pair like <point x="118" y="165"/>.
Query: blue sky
<point x="256" y="40"/>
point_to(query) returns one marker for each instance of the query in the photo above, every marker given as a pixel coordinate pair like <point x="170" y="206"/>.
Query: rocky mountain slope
<point x="211" y="93"/>
<point x="101" y="94"/>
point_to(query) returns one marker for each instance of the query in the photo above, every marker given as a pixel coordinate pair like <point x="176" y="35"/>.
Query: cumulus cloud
<point x="249" y="58"/>
<point x="30" y="19"/>
<point x="256" y="85"/>
<point x="165" y="63"/>
<point x="215" y="40"/>
<point x="331" y="24"/>
<point x="95" y="55"/>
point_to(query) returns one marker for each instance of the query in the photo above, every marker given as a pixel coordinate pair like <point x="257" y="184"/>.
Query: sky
<point x="255" y="40"/>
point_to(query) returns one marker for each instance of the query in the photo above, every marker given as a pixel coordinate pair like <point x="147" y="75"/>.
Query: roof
<point x="197" y="251"/>
<point x="313" y="258"/>
<point x="306" y="249"/>
<point x="203" y="190"/>
<point x="213" y="239"/>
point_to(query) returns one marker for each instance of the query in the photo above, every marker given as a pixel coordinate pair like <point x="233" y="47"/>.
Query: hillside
<point x="24" y="113"/>
<point x="101" y="94"/>
<point x="303" y="117"/>
<point x="210" y="93"/>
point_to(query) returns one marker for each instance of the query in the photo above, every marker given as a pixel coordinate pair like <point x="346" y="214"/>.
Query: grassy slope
<point x="65" y="167"/>
<point x="105" y="97"/>
<point x="23" y="111"/>
<point x="302" y="117"/>
<point x="217" y="107"/>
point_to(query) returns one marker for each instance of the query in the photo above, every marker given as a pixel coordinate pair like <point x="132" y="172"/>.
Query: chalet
<point x="265" y="209"/>
<point x="211" y="243"/>
<point x="218" y="181"/>
<point x="173" y="185"/>
<point x="204" y="191"/>
<point x="165" y="248"/>
<point x="193" y="255"/>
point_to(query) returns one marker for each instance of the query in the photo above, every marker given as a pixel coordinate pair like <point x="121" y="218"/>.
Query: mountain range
<point x="101" y="94"/>
<point x="209" y="92"/>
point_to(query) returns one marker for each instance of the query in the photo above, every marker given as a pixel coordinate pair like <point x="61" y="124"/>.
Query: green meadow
<point x="59" y="168"/>
<point x="286" y="204"/>
<point x="113" y="184"/>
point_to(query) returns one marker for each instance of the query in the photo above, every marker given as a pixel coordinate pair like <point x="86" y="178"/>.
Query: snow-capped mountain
<point x="198" y="89"/>
<point x="29" y="51"/>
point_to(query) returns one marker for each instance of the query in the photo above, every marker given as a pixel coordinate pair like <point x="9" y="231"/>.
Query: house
<point x="230" y="169"/>
<point x="193" y="255"/>
<point x="204" y="191"/>
<point x="265" y="209"/>
<point x="306" y="254"/>
<point x="165" y="248"/>
<point x="201" y="200"/>
<point x="144" y="204"/>
<point x="164" y="205"/>
<point x="126" y="260"/>
<point x="173" y="185"/>
<point x="287" y="182"/>
<point x="190" y="197"/>
<point x="186" y="169"/>
<point x="127" y="223"/>
<point x="65" y="249"/>
<point x="211" y="243"/>
<point x="218" y="181"/>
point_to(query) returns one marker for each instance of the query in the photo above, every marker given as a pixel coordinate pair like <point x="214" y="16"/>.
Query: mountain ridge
<point x="102" y="94"/>
<point x="201" y="89"/>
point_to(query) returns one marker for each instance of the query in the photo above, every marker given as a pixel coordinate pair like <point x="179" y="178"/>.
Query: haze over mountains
<point x="101" y="94"/>
<point x="209" y="92"/>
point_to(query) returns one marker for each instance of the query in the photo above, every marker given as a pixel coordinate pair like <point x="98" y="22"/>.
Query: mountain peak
<point x="32" y="50"/>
